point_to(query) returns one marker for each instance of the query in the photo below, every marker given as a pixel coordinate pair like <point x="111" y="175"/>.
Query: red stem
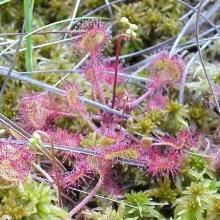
<point x="97" y="85"/>
<point x="54" y="165"/>
<point x="140" y="99"/>
<point x="87" y="198"/>
<point x="119" y="39"/>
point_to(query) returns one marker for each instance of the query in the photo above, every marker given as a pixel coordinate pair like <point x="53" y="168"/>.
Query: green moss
<point x="143" y="207"/>
<point x="175" y="117"/>
<point x="196" y="200"/>
<point x="217" y="78"/>
<point x="214" y="210"/>
<point x="164" y="191"/>
<point x="53" y="10"/>
<point x="75" y="125"/>
<point x="94" y="140"/>
<point x="106" y="214"/>
<point x="12" y="11"/>
<point x="10" y="98"/>
<point x="92" y="4"/>
<point x="31" y="200"/>
<point x="146" y="123"/>
<point x="205" y="119"/>
<point x="197" y="162"/>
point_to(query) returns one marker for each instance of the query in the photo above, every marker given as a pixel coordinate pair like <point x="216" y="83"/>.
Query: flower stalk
<point x="87" y="198"/>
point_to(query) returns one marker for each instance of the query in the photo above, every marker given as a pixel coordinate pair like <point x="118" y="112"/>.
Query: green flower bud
<point x="133" y="34"/>
<point x="129" y="32"/>
<point x="133" y="27"/>
<point x="124" y="20"/>
<point x="37" y="136"/>
<point x="35" y="141"/>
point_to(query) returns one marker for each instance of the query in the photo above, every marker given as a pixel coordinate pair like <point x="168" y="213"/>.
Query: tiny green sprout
<point x="35" y="141"/>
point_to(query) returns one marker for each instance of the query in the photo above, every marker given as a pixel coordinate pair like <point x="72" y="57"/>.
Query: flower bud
<point x="133" y="34"/>
<point x="133" y="27"/>
<point x="35" y="141"/>
<point x="124" y="20"/>
<point x="129" y="32"/>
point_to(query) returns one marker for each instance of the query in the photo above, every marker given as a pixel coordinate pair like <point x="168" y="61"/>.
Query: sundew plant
<point x="109" y="110"/>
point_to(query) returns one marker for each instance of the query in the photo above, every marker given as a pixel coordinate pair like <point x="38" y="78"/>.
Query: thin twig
<point x="10" y="124"/>
<point x="104" y="198"/>
<point x="45" y="45"/>
<point x="194" y="43"/>
<point x="186" y="71"/>
<point x="184" y="30"/>
<point x="204" y="17"/>
<point x="15" y="54"/>
<point x="54" y="165"/>
<point x="79" y="150"/>
<point x="44" y="27"/>
<point x="73" y="17"/>
<point x="61" y="92"/>
<point x="78" y="71"/>
<point x="38" y="33"/>
<point x="148" y="50"/>
<point x="201" y="57"/>
<point x="102" y="7"/>
<point x="109" y="8"/>
<point x="75" y="68"/>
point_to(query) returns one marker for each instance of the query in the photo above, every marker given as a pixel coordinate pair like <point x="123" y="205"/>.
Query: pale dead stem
<point x="201" y="57"/>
